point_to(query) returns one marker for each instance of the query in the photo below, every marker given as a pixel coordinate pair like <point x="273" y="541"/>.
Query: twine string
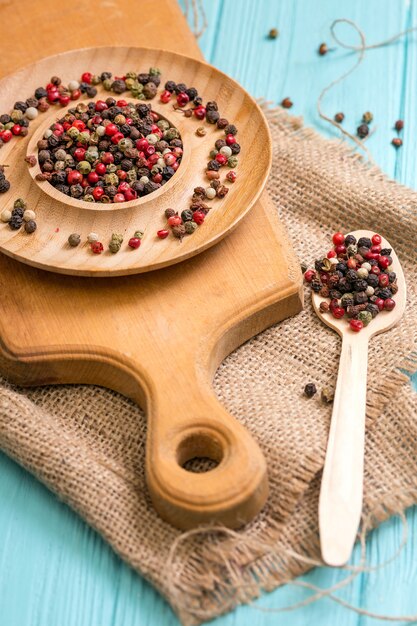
<point x="176" y="567"/>
<point x="360" y="50"/>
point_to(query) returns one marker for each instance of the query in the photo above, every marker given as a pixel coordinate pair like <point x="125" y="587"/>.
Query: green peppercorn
<point x="367" y="117"/>
<point x="273" y="33"/>
<point x="365" y="317"/>
<point x="327" y="396"/>
<point x="190" y="227"/>
<point x="19" y="204"/>
<point x="232" y="162"/>
<point x="138" y="234"/>
<point x="84" y="167"/>
<point x="170" y="213"/>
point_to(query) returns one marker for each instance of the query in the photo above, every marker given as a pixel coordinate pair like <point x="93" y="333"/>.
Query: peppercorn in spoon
<point x="340" y="504"/>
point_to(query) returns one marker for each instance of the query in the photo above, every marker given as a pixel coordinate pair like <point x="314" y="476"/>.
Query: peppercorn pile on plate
<point x="114" y="172"/>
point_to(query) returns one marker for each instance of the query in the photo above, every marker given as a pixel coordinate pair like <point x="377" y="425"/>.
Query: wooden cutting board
<point x="158" y="337"/>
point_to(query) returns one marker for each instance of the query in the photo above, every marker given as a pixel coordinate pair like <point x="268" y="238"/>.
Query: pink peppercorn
<point x="175" y="220"/>
<point x="389" y="304"/>
<point x="220" y="158"/>
<point x="198" y="217"/>
<point x="356" y="325"/>
<point x="134" y="242"/>
<point x="97" y="247"/>
<point x="231" y="176"/>
<point x="309" y="275"/>
<point x="230" y="139"/>
<point x="182" y="99"/>
<point x="200" y="112"/>
<point x="165" y="96"/>
<point x="162" y="234"/>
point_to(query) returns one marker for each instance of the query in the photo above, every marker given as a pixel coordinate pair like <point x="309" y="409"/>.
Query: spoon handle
<point x="340" y="503"/>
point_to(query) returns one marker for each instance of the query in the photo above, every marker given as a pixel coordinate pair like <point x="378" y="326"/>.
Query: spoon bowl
<point x="340" y="504"/>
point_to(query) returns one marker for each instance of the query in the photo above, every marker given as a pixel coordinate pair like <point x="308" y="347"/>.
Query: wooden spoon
<point x="340" y="503"/>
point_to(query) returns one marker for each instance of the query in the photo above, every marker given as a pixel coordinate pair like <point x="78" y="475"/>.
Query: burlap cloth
<point x="73" y="437"/>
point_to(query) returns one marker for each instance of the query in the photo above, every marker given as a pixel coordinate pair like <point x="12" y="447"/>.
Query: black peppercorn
<point x="360" y="285"/>
<point x="365" y="242"/>
<point x="362" y="131"/>
<point x="137" y="186"/>
<point x="384" y="293"/>
<point x="18" y="211"/>
<point x="15" y="222"/>
<point x="180" y="88"/>
<point x="372" y="280"/>
<point x="335" y="294"/>
<point x="351" y="275"/>
<point x="350" y="240"/>
<point x="213" y="165"/>
<point x="40" y="92"/>
<point x="105" y="76"/>
<point x="168" y="172"/>
<point x="149" y="90"/>
<point x="170" y="86"/>
<point x="187" y="215"/>
<point x="360" y="297"/>
<point x="230" y="129"/>
<point x="5" y="119"/>
<point x="76" y="191"/>
<point x="220" y="143"/>
<point x="310" y="390"/>
<point x="341" y="267"/>
<point x="392" y="276"/>
<point x="212" y="116"/>
<point x="91" y="91"/>
<point x="373" y="309"/>
<point x="235" y="148"/>
<point x="339" y="117"/>
<point x="118" y="86"/>
<point x="316" y="285"/>
<point x="192" y="93"/>
<point x="20" y="106"/>
<point x="30" y="226"/>
<point x="4" y="185"/>
<point x="386" y="251"/>
<point x="222" y="123"/>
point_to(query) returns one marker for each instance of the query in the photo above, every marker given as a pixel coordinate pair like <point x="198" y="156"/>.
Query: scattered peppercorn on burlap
<point x="318" y="187"/>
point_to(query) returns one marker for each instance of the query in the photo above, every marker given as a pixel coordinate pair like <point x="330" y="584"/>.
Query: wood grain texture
<point x="59" y="215"/>
<point x="53" y="567"/>
<point x="248" y="284"/>
<point x="341" y="491"/>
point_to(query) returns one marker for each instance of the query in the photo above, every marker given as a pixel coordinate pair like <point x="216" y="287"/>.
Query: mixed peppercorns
<point x="20" y="216"/>
<point x="112" y="150"/>
<point x="355" y="278"/>
<point x="109" y="151"/>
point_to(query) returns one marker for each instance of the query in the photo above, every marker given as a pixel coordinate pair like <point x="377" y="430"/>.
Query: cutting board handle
<point x="197" y="425"/>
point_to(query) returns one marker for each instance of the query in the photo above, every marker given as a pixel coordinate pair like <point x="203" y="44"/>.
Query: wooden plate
<point x="58" y="215"/>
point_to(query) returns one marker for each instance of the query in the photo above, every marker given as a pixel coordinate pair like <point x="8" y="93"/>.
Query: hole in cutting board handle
<point x="199" y="452"/>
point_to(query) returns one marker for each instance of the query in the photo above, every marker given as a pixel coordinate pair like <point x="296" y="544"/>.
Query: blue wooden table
<point x="54" y="570"/>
